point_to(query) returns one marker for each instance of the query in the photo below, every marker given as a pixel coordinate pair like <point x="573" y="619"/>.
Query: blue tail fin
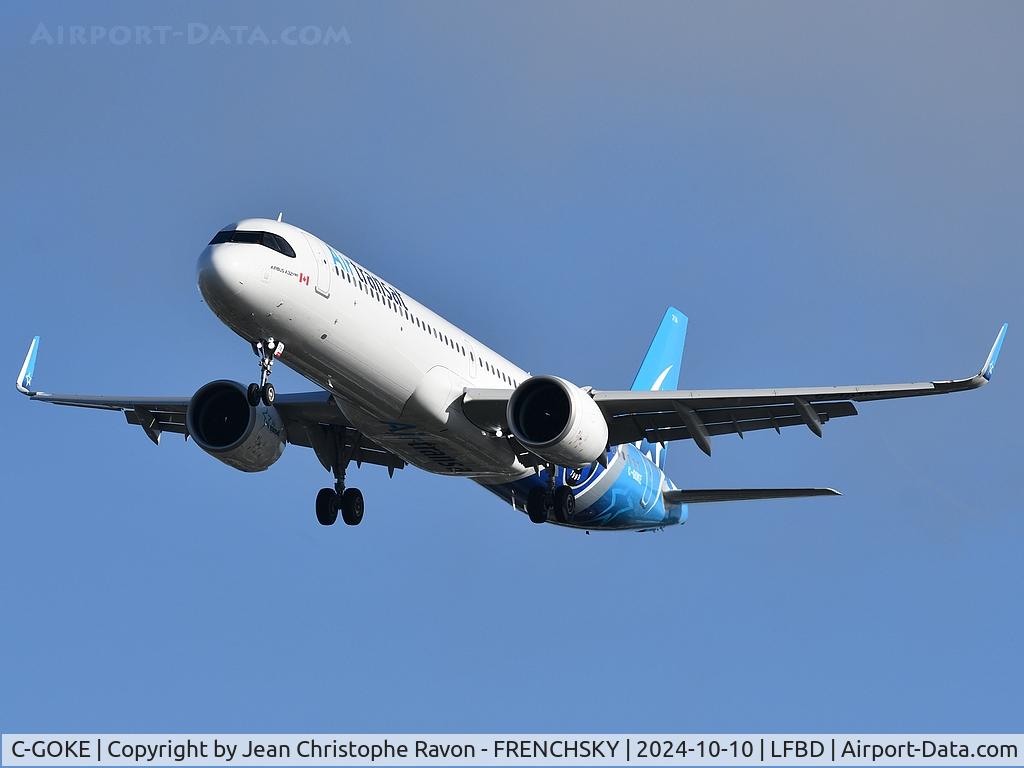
<point x="660" y="368"/>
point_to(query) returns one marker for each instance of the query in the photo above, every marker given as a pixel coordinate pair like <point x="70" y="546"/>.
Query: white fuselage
<point x="395" y="368"/>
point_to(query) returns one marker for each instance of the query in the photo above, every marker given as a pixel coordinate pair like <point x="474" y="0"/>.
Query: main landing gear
<point x="267" y="350"/>
<point x="329" y="501"/>
<point x="349" y="501"/>
<point x="543" y="504"/>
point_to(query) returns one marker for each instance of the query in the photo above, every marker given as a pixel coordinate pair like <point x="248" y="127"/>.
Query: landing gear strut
<point x="349" y="501"/>
<point x="267" y="350"/>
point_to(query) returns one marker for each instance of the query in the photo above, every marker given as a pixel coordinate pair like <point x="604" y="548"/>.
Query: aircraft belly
<point x="458" y="448"/>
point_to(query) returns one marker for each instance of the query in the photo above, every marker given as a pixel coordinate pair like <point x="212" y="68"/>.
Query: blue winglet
<point x="28" y="368"/>
<point x="990" y="361"/>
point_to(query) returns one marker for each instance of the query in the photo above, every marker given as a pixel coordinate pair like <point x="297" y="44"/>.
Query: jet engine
<point x="223" y="424"/>
<point x="558" y="421"/>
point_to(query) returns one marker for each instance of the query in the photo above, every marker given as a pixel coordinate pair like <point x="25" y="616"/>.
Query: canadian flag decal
<point x="303" y="278"/>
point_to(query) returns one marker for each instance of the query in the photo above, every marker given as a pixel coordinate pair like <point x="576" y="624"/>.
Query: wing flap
<point x="154" y="421"/>
<point x="662" y="426"/>
<point x="754" y="425"/>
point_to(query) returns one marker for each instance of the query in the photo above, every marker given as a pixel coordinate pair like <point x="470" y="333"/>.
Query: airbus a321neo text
<point x="398" y="385"/>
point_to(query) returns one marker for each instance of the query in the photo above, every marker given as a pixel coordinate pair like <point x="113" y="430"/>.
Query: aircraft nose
<point x="223" y="270"/>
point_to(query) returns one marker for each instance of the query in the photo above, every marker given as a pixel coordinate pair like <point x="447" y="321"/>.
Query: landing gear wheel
<point x="252" y="394"/>
<point x="268" y="393"/>
<point x="326" y="506"/>
<point x="565" y="503"/>
<point x="537" y="503"/>
<point x="352" y="506"/>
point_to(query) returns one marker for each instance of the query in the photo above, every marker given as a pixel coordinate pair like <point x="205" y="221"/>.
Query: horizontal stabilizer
<point x="743" y="494"/>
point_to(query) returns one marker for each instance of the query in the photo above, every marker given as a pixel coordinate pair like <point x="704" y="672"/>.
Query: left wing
<point x="312" y="419"/>
<point x="700" y="414"/>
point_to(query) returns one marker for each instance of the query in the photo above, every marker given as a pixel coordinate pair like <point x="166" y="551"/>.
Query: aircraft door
<point x="323" y="266"/>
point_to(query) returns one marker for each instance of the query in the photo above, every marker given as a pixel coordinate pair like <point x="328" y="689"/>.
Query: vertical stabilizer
<point x="660" y="368"/>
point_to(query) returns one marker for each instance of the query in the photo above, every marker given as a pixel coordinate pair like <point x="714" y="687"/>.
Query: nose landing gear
<point x="267" y="351"/>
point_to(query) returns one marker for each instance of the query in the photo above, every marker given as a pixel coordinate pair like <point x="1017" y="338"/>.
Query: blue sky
<point x="830" y="192"/>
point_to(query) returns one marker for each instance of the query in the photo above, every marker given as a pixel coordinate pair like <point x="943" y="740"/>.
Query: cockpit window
<point x="269" y="239"/>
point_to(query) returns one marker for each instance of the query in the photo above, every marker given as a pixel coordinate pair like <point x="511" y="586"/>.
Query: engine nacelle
<point x="558" y="421"/>
<point x="223" y="424"/>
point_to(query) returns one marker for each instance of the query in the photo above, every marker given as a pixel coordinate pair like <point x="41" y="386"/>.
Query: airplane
<point x="399" y="385"/>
